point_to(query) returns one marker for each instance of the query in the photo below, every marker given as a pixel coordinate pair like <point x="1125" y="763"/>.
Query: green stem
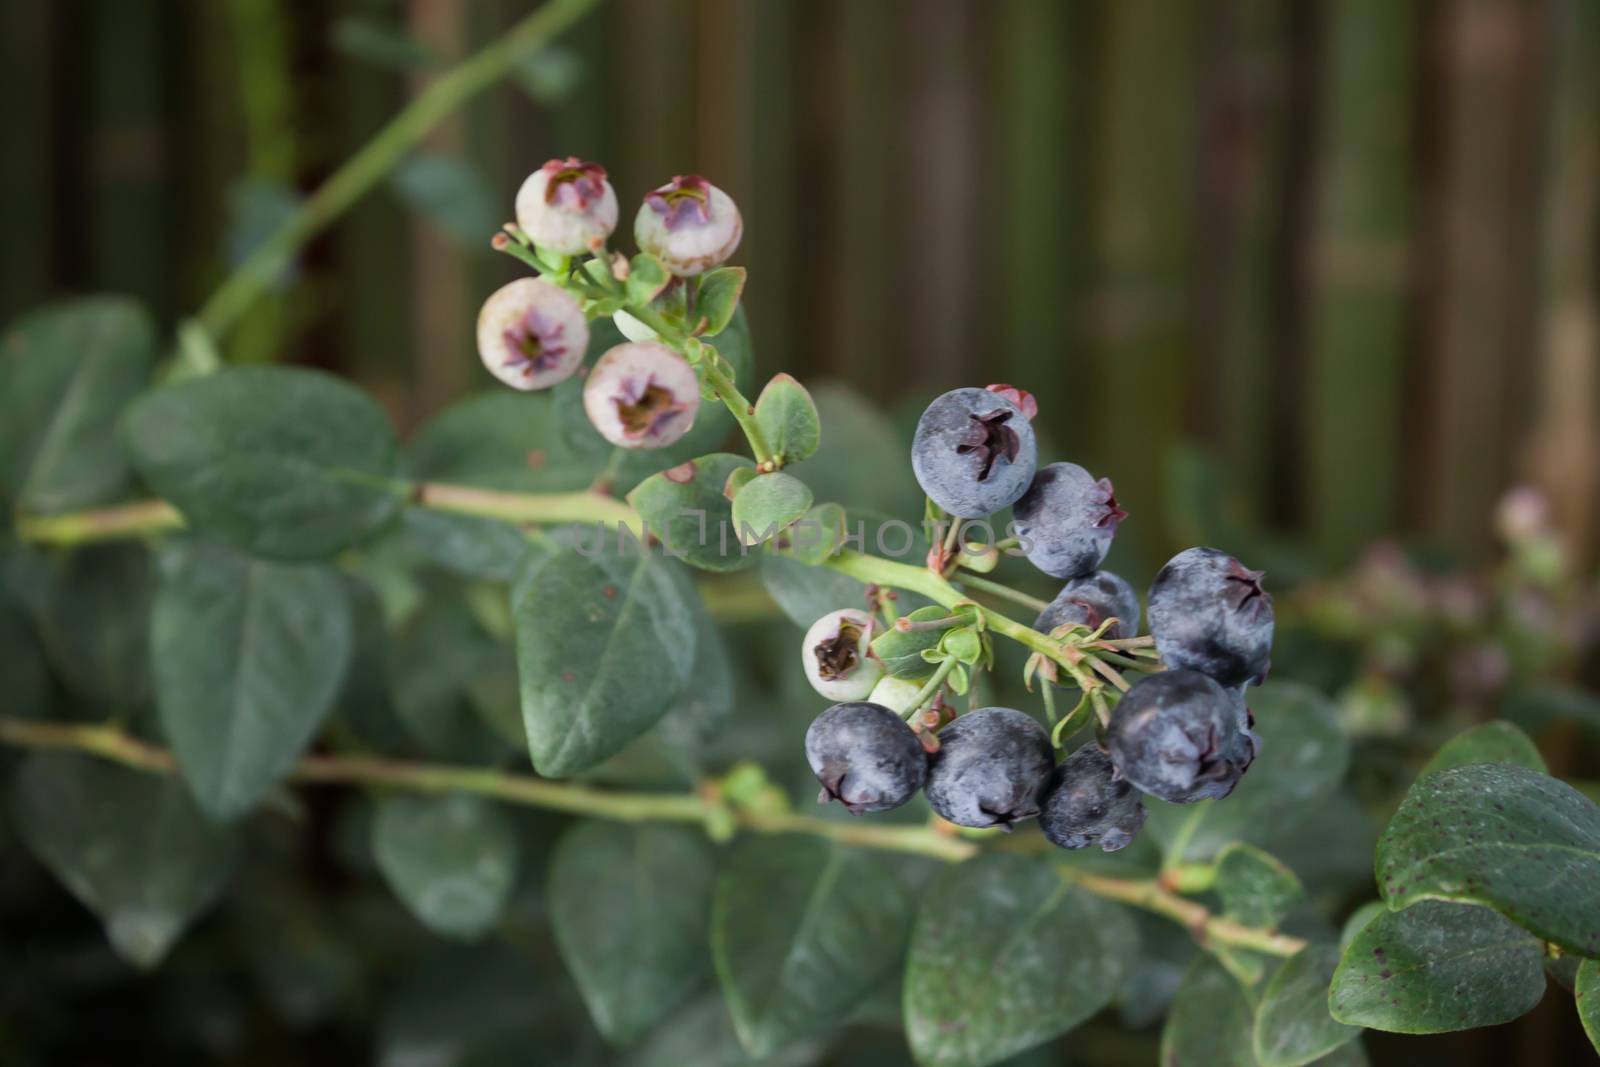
<point x="111" y="743"/>
<point x="1005" y="592"/>
<point x="241" y="289"/>
<point x="99" y="524"/>
<point x="926" y="693"/>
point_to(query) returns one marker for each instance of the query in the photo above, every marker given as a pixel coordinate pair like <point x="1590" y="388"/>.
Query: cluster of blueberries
<point x="1182" y="734"/>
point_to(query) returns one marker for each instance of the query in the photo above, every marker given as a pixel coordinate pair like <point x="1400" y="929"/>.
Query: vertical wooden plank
<point x="1359" y="319"/>
<point x="772" y="230"/>
<point x="1562" y="455"/>
<point x="1036" y="188"/>
<point x="1145" y="132"/>
<point x="1471" y="390"/>
<point x="654" y="63"/>
<point x="945" y="195"/>
<point x="28" y="174"/>
<point x="1248" y="273"/>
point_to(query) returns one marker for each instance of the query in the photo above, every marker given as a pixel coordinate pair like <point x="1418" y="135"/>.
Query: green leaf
<point x="434" y="660"/>
<point x="805" y="594"/>
<point x="767" y="504"/>
<point x="1537" y="705"/>
<point x="1007" y="954"/>
<point x="91" y="610"/>
<point x="247" y="657"/>
<point x="818" y="535"/>
<point x="1493" y="742"/>
<point x="1292" y="1022"/>
<point x="130" y="845"/>
<point x="22" y="664"/>
<point x="551" y="75"/>
<point x="718" y="298"/>
<point x="452" y="195"/>
<point x="1587" y="996"/>
<point x="1504" y="836"/>
<point x="473" y="546"/>
<point x="647" y="277"/>
<point x="1303" y="758"/>
<point x="381" y="44"/>
<point x="702" y="1035"/>
<point x="788" y="420"/>
<point x="685" y="507"/>
<point x="282" y="462"/>
<point x="604" y="646"/>
<point x="66" y="372"/>
<point x="629" y="907"/>
<point x="451" y="859"/>
<point x="1436" y="967"/>
<point x="801" y="930"/>
<point x="902" y="653"/>
<point x="500" y="440"/>
<point x="1256" y="888"/>
<point x="1210" y="1023"/>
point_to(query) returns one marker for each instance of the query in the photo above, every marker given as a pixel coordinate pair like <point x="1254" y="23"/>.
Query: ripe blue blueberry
<point x="866" y="757"/>
<point x="1209" y="614"/>
<point x="1178" y="735"/>
<point x="973" y="452"/>
<point x="1089" y="805"/>
<point x="1067" y="519"/>
<point x="1090" y="601"/>
<point x="992" y="768"/>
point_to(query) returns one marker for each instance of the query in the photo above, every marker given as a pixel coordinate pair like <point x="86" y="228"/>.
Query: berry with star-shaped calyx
<point x="689" y="224"/>
<point x="532" y="335"/>
<point x="1067" y="520"/>
<point x="567" y="206"/>
<point x="641" y="394"/>
<point x="837" y="655"/>
<point x="865" y="757"/>
<point x="1090" y="601"/>
<point x="1209" y="613"/>
<point x="973" y="452"/>
<point x="992" y="768"/>
<point x="1178" y="735"/>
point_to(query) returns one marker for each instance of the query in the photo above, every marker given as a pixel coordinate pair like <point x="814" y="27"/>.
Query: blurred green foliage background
<point x="1300" y="275"/>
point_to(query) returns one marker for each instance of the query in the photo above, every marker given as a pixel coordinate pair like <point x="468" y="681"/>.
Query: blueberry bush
<point x="521" y="649"/>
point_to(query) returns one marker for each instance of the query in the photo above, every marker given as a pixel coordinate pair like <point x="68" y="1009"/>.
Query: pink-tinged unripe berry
<point x="567" y="206"/>
<point x="689" y="224"/>
<point x="837" y="655"/>
<point x="641" y="395"/>
<point x="532" y="335"/>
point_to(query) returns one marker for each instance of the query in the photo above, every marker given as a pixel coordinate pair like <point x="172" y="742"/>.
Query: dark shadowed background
<point x="1323" y="270"/>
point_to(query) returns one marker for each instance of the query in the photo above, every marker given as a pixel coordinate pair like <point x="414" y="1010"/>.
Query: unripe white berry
<point x="838" y="657"/>
<point x="532" y="335"/>
<point x="567" y="206"/>
<point x="689" y="224"/>
<point x="641" y="395"/>
<point x="896" y="694"/>
<point x="632" y="328"/>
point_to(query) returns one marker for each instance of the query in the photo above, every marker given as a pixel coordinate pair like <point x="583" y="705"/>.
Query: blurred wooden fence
<point x="1346" y="245"/>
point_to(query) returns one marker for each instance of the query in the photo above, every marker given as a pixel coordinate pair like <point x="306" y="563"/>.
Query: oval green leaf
<point x="788" y="419"/>
<point x="1493" y="742"/>
<point x="1210" y="1022"/>
<point x="629" y="907"/>
<point x="282" y="462"/>
<point x="499" y="440"/>
<point x="452" y="859"/>
<point x="1504" y="836"/>
<point x="1436" y="967"/>
<point x="66" y="372"/>
<point x="247" y="657"/>
<point x="717" y="298"/>
<point x="130" y="845"/>
<point x="685" y="508"/>
<point x="1587" y="995"/>
<point x="767" y="504"/>
<point x="801" y="930"/>
<point x="1292" y="1024"/>
<point x="1256" y="888"/>
<point x="1007" y="954"/>
<point x="604" y="646"/>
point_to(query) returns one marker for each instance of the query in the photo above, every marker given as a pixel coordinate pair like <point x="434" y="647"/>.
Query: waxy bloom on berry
<point x="567" y="206"/>
<point x="532" y="335"/>
<point x="689" y="224"/>
<point x="641" y="395"/>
